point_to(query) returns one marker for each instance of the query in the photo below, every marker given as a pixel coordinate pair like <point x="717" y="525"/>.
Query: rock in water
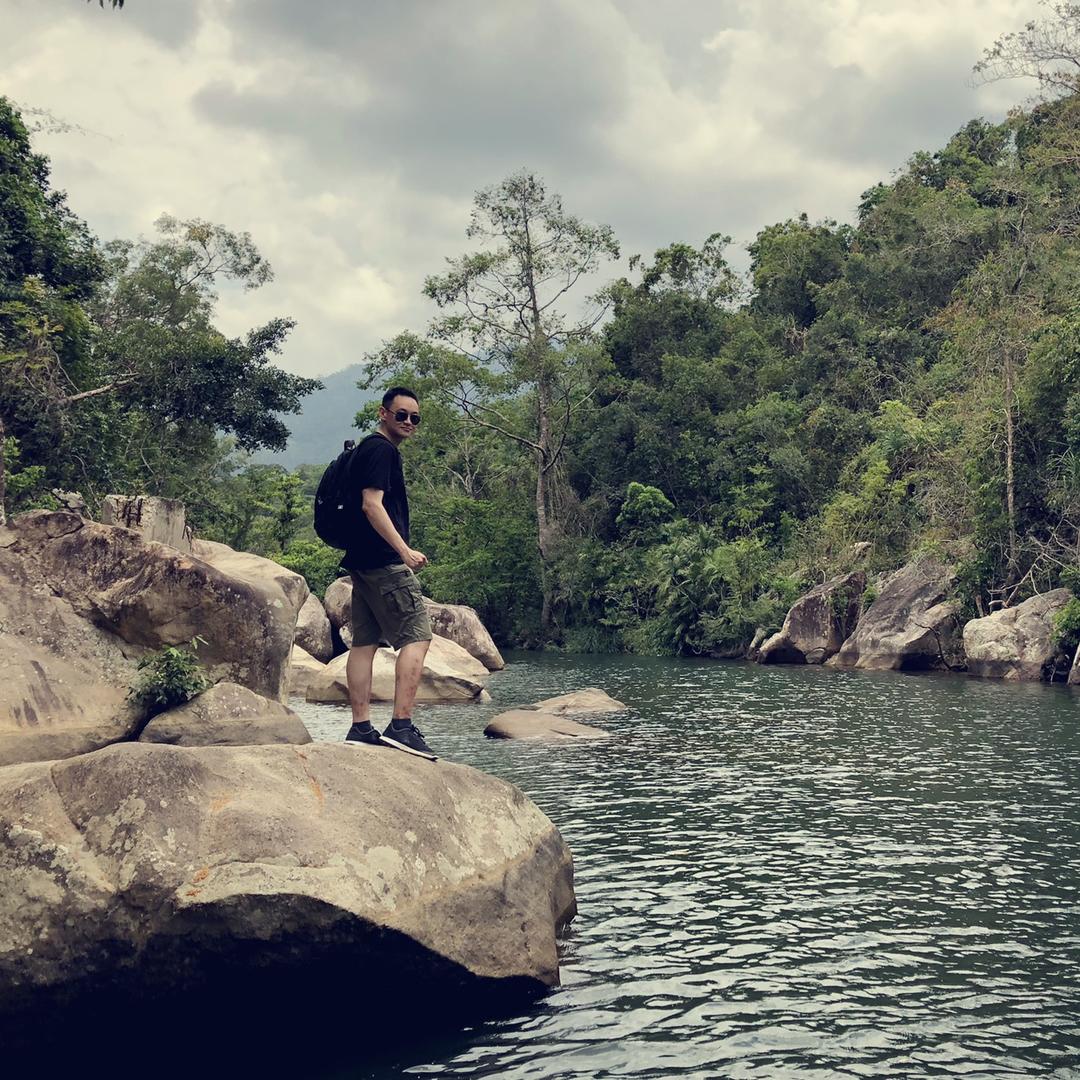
<point x="462" y="625"/>
<point x="533" y="724"/>
<point x="1017" y="643"/>
<point x="911" y="626"/>
<point x="450" y="674"/>
<point x="818" y="623"/>
<point x="590" y="700"/>
<point x="151" y="869"/>
<point x="227" y="715"/>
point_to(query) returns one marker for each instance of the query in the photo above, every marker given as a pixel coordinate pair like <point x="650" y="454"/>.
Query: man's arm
<point x="376" y="513"/>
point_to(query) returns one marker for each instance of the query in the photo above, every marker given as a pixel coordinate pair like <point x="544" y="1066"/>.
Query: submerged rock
<point x="1017" y="643"/>
<point x="226" y="715"/>
<point x="158" y="869"/>
<point x="911" y="626"/>
<point x="533" y="724"/>
<point x="818" y="623"/>
<point x="590" y="700"/>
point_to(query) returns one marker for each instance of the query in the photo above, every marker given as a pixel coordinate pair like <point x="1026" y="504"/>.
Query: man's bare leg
<point x="407" y="672"/>
<point x="358" y="677"/>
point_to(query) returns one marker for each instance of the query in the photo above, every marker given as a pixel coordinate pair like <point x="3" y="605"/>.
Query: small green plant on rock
<point x="170" y="677"/>
<point x="1067" y="627"/>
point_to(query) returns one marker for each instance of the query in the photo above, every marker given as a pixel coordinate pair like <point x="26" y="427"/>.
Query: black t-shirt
<point x="376" y="463"/>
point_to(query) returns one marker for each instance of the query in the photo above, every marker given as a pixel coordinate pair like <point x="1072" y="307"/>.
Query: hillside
<point x="316" y="434"/>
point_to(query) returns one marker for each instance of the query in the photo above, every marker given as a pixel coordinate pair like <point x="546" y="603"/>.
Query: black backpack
<point x="336" y="509"/>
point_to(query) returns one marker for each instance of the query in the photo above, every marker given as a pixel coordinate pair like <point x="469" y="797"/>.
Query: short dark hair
<point x="397" y="391"/>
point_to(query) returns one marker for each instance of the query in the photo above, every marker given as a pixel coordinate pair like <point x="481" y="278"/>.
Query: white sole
<point x="408" y="749"/>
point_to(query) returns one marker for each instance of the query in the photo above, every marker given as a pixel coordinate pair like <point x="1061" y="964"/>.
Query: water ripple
<point x="794" y="872"/>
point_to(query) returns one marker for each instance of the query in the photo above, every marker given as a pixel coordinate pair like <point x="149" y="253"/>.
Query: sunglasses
<point x="403" y="414"/>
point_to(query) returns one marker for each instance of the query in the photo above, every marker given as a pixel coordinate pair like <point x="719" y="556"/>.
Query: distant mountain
<point x="316" y="434"/>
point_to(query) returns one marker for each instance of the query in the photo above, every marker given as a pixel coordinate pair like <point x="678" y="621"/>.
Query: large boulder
<point x="911" y="626"/>
<point x="818" y="623"/>
<point x="533" y="724"/>
<point x="450" y="674"/>
<point x="313" y="631"/>
<point x="1074" y="671"/>
<point x="462" y="625"/>
<point x="164" y="869"/>
<point x="153" y="518"/>
<point x="590" y="700"/>
<point x="81" y="602"/>
<point x="227" y="715"/>
<point x="1017" y="643"/>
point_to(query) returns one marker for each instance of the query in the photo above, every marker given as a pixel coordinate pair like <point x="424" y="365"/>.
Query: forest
<point x="657" y="465"/>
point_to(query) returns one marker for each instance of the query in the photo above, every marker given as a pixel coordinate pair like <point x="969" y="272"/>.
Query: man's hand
<point x="414" y="560"/>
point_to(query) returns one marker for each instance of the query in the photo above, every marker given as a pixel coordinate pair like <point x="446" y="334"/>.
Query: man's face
<point x="406" y="408"/>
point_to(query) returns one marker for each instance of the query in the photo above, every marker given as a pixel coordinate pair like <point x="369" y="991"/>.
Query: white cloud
<point x="348" y="139"/>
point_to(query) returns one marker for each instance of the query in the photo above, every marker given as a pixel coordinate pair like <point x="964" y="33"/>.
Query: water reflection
<point x="788" y="871"/>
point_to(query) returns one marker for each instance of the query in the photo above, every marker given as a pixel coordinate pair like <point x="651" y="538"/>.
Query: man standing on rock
<point x="386" y="598"/>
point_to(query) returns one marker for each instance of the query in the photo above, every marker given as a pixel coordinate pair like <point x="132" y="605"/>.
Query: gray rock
<point x="303" y="667"/>
<point x="1016" y="643"/>
<point x="227" y="715"/>
<point x="818" y="623"/>
<point x="313" y="632"/>
<point x="1074" y="671"/>
<point x="338" y="603"/>
<point x="533" y="724"/>
<point x="911" y="626"/>
<point x="144" y="866"/>
<point x="450" y="674"/>
<point x="161" y="520"/>
<point x="590" y="700"/>
<point x="81" y="602"/>
<point x="462" y="625"/>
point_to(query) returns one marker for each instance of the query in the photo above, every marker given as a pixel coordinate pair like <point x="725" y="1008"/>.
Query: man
<point x="386" y="598"/>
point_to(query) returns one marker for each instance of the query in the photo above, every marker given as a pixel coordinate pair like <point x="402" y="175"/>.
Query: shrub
<point x="170" y="677"/>
<point x="318" y="564"/>
<point x="1067" y="627"/>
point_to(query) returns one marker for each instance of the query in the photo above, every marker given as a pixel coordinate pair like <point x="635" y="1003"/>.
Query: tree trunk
<point x="1010" y="479"/>
<point x="543" y="522"/>
<point x="3" y="474"/>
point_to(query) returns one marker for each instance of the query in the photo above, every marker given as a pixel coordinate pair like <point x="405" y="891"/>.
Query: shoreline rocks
<point x="81" y="602"/>
<point x="911" y="626"/>
<point x="1016" y="643"/>
<point x="818" y="623"/>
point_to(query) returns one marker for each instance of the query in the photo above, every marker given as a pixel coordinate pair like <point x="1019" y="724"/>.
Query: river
<point x="790" y="871"/>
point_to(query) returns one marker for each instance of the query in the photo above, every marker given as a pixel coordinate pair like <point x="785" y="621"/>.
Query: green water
<point x="791" y="872"/>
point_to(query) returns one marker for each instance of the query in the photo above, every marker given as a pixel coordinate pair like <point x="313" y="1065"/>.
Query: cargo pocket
<point x="400" y="595"/>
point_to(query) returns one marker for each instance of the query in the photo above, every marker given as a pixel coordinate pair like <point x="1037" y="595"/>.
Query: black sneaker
<point x="410" y="739"/>
<point x="356" y="735"/>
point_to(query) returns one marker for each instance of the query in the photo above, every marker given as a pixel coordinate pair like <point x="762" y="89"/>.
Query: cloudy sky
<point x="348" y="136"/>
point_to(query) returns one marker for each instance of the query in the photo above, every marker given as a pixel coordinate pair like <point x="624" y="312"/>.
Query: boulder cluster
<point x="914" y="624"/>
<point x="214" y="844"/>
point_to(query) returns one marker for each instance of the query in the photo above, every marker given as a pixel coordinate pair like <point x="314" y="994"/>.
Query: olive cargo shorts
<point x="387" y="605"/>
